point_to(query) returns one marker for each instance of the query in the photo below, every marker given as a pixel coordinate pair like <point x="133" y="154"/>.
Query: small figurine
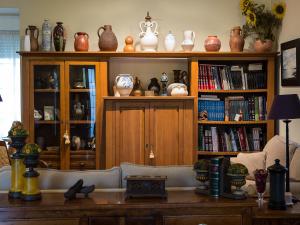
<point x="164" y="80"/>
<point x="78" y="110"/>
<point x="129" y="47"/>
<point x="76" y="142"/>
<point x="37" y="115"/>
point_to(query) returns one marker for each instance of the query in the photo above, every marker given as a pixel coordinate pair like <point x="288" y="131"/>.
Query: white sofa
<point x="178" y="176"/>
<point x="274" y="149"/>
<point x="111" y="179"/>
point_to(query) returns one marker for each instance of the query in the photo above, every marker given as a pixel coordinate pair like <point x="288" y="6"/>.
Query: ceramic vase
<point x="81" y="42"/>
<point x="27" y="43"/>
<point x="46" y="36"/>
<point x="59" y="37"/>
<point x="149" y="40"/>
<point x="137" y="88"/>
<point x="154" y="86"/>
<point x="129" y="44"/>
<point x="236" y="42"/>
<point x="34" y="35"/>
<point x="124" y="84"/>
<point x="212" y="44"/>
<point x="107" y="39"/>
<point x="263" y="46"/>
<point x="170" y="42"/>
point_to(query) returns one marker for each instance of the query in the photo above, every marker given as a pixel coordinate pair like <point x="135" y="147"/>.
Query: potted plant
<point x="237" y="173"/>
<point x="18" y="135"/>
<point x="201" y="168"/>
<point x="263" y="23"/>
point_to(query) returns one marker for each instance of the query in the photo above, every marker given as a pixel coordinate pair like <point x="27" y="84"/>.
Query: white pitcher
<point x="148" y="37"/>
<point x="189" y="37"/>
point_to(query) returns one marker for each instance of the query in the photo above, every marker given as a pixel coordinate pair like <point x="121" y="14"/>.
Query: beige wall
<point x="205" y="17"/>
<point x="290" y="31"/>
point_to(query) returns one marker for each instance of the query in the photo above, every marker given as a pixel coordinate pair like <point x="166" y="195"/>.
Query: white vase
<point x="149" y="40"/>
<point x="124" y="84"/>
<point x="170" y="42"/>
<point x="27" y="43"/>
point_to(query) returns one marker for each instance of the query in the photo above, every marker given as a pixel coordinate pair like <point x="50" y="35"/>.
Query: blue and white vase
<point x="46" y="36"/>
<point x="124" y="84"/>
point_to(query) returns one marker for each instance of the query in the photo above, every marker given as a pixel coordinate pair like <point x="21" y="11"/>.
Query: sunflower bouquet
<point x="31" y="148"/>
<point x="17" y="130"/>
<point x="262" y="22"/>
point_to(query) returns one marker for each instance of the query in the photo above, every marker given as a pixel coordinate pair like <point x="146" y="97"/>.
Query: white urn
<point x="124" y="84"/>
<point x="149" y="40"/>
<point x="170" y="42"/>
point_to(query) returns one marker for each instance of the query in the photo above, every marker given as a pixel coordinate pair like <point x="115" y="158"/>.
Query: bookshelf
<point x="234" y="97"/>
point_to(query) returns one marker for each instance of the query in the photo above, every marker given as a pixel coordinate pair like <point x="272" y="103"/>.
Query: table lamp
<point x="285" y="107"/>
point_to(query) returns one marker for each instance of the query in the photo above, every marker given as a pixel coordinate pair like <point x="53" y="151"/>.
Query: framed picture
<point x="48" y="112"/>
<point x="290" y="63"/>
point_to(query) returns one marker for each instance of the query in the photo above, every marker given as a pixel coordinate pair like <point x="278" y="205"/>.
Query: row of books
<point x="235" y="139"/>
<point x="232" y="108"/>
<point x="224" y="77"/>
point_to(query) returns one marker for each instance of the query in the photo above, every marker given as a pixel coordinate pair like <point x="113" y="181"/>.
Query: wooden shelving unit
<point x="101" y="62"/>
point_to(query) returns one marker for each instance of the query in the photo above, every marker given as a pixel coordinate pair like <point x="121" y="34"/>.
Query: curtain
<point x="10" y="107"/>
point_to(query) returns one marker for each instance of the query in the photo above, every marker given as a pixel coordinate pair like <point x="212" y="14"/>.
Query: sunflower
<point x="244" y="5"/>
<point x="279" y="10"/>
<point x="251" y="18"/>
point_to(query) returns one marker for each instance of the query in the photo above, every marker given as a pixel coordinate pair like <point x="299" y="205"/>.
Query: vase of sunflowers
<point x="262" y="23"/>
<point x="31" y="191"/>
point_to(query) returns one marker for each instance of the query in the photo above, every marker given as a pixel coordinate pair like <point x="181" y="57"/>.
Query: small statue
<point x="164" y="80"/>
<point x="78" y="110"/>
<point x="92" y="143"/>
<point x="37" y="115"/>
<point x="76" y="142"/>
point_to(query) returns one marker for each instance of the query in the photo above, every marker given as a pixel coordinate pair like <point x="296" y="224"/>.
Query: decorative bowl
<point x="177" y="89"/>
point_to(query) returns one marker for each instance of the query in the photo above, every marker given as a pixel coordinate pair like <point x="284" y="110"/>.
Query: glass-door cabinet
<point x="65" y="116"/>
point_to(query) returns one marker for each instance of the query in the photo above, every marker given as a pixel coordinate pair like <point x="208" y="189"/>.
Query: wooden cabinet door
<point x="126" y="123"/>
<point x="168" y="143"/>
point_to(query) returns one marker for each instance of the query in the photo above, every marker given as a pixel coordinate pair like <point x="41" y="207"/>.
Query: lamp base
<point x="288" y="198"/>
<point x="14" y="194"/>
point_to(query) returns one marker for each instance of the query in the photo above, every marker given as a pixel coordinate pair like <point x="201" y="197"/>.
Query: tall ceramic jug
<point x="236" y="42"/>
<point x="81" y="42"/>
<point x="148" y="37"/>
<point x="46" y="36"/>
<point x="34" y="35"/>
<point x="107" y="40"/>
<point x="189" y="37"/>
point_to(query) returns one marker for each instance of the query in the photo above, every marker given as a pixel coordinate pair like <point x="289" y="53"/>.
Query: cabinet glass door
<point x="82" y="115"/>
<point x="46" y="112"/>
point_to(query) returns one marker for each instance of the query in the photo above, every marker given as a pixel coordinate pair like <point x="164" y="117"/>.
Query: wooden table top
<point x="105" y="200"/>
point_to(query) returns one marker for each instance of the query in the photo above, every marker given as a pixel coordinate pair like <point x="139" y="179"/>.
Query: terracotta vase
<point x="59" y="37"/>
<point x="236" y="42"/>
<point x="81" y="42"/>
<point x="212" y="44"/>
<point x="263" y="46"/>
<point x="34" y="35"/>
<point x="107" y="39"/>
<point x="129" y="47"/>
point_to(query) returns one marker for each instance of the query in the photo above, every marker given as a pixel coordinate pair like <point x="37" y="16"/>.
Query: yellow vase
<point x="17" y="179"/>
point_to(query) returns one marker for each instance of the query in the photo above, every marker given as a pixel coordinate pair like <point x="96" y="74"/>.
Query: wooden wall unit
<point x="149" y="130"/>
<point x="128" y="129"/>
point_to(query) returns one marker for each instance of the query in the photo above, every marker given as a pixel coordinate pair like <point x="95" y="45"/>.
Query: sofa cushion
<point x="177" y="176"/>
<point x="295" y="166"/>
<point x="252" y="161"/>
<point x="63" y="179"/>
<point x="275" y="149"/>
<point x="5" y="173"/>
